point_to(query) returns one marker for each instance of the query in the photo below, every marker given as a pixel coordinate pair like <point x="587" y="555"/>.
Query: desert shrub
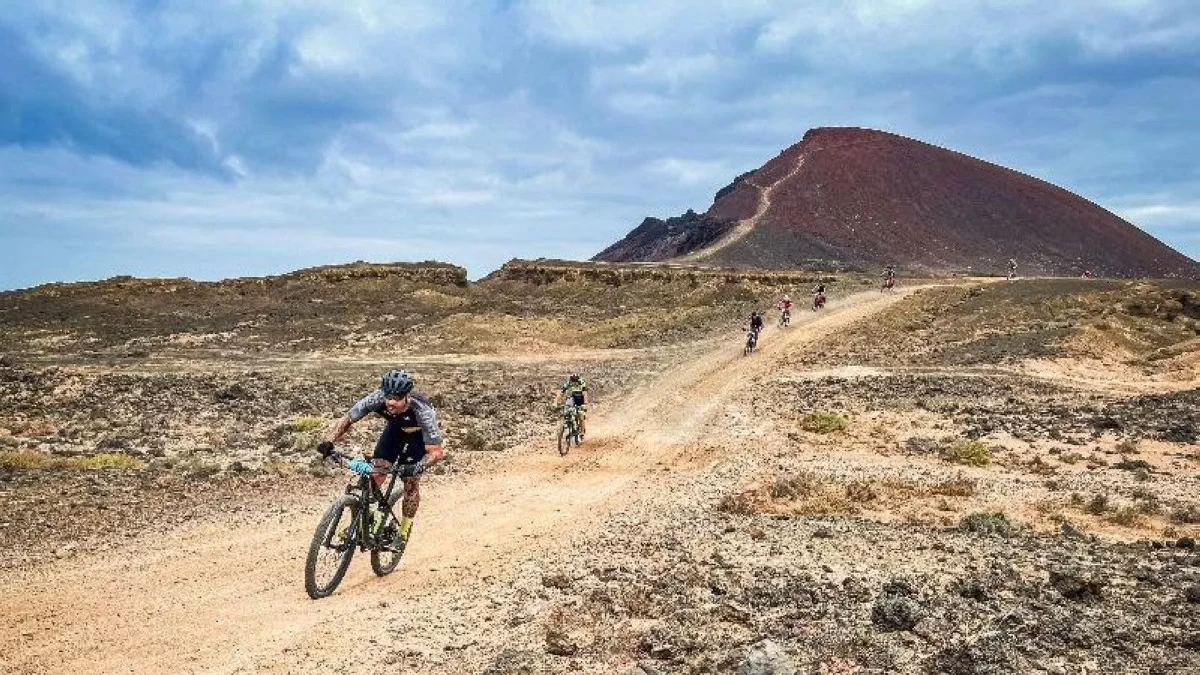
<point x="795" y="486"/>
<point x="861" y="492"/>
<point x="22" y="460"/>
<point x="983" y="522"/>
<point x="1189" y="514"/>
<point x="106" y="460"/>
<point x="1097" y="505"/>
<point x="968" y="452"/>
<point x="1128" y="447"/>
<point x="1146" y="502"/>
<point x="1125" y="515"/>
<point x="823" y="422"/>
<point x="1070" y="457"/>
<point x="959" y="487"/>
<point x="740" y="504"/>
<point x="307" y="424"/>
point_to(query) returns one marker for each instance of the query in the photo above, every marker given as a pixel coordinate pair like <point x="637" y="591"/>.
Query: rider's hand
<point x="410" y="470"/>
<point x="325" y="448"/>
<point x="361" y="466"/>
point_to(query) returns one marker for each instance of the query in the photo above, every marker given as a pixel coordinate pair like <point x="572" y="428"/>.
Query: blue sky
<point x="212" y="139"/>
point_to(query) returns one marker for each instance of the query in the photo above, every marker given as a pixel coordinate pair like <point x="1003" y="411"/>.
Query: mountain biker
<point x="785" y="305"/>
<point x="412" y="437"/>
<point x="889" y="276"/>
<point x="1012" y="268"/>
<point x="818" y="295"/>
<point x="577" y="389"/>
<point x="756" y="322"/>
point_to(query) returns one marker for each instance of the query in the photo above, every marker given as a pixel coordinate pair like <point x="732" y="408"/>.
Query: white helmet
<point x="787" y="298"/>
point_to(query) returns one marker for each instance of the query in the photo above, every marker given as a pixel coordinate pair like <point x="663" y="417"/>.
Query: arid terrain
<point x="961" y="476"/>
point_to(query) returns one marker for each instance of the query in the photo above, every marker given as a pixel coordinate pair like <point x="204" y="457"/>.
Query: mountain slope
<point x="868" y="198"/>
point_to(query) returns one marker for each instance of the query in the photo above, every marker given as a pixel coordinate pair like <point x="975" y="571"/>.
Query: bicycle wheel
<point x="384" y="560"/>
<point x="332" y="548"/>
<point x="564" y="439"/>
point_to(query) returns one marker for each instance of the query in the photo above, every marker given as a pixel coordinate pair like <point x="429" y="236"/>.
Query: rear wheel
<point x="385" y="559"/>
<point x="332" y="548"/>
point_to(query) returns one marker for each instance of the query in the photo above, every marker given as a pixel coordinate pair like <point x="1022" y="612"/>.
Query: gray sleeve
<point x="428" y="419"/>
<point x="371" y="403"/>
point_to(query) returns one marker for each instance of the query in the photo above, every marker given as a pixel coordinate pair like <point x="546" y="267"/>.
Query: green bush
<point x="983" y="522"/>
<point x="968" y="452"/>
<point x="823" y="422"/>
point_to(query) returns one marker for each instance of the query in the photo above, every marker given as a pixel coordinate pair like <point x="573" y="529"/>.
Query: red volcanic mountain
<point x="866" y="198"/>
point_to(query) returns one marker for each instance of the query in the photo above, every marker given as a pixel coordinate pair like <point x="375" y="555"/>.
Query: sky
<point x="218" y="138"/>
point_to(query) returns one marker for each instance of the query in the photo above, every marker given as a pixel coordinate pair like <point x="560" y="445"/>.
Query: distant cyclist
<point x="1012" y="269"/>
<point x="412" y="437"/>
<point x="756" y="322"/>
<point x="889" y="278"/>
<point x="818" y="294"/>
<point x="577" y="389"/>
<point x="785" y="306"/>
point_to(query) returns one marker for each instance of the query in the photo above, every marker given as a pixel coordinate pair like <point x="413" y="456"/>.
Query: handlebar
<point x="344" y="460"/>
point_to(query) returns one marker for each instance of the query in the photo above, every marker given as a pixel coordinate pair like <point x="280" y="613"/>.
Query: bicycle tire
<point x="564" y="440"/>
<point x="326" y="529"/>
<point x="378" y="565"/>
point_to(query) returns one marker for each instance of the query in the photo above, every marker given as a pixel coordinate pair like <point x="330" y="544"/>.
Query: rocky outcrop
<point x="657" y="239"/>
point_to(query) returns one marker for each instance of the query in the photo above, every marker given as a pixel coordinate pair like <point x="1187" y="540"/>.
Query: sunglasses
<point x="396" y="397"/>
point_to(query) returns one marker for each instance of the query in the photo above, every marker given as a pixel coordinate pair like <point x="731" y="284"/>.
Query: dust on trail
<point x="227" y="596"/>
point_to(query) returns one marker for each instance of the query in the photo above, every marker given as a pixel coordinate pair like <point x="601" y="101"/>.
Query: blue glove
<point x="361" y="466"/>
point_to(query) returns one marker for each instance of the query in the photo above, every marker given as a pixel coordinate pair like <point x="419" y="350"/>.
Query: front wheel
<point x="384" y="559"/>
<point x="332" y="547"/>
<point x="564" y="439"/>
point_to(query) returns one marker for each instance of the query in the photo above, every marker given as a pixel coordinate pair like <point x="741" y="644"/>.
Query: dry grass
<point x="16" y="461"/>
<point x="806" y="493"/>
<point x="307" y="424"/>
<point x="987" y="522"/>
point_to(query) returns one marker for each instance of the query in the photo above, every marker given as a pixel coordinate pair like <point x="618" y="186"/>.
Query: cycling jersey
<point x="407" y="433"/>
<point x="575" y="390"/>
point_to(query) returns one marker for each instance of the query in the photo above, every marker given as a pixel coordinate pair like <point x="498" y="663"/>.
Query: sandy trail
<point x="746" y="225"/>
<point x="227" y="595"/>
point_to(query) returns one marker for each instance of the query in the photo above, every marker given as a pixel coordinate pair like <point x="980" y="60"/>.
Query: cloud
<point x="189" y="138"/>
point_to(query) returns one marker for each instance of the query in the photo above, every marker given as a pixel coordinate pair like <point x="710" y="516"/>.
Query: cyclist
<point x="818" y="296"/>
<point x="577" y="389"/>
<point x="411" y="436"/>
<point x="756" y="322"/>
<point x="1012" y="269"/>
<point x="889" y="277"/>
<point x="785" y="306"/>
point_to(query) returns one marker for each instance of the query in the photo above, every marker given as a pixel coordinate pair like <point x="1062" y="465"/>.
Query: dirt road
<point x="227" y="595"/>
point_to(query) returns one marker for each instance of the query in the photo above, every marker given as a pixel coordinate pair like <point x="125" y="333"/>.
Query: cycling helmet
<point x="574" y="377"/>
<point x="787" y="298"/>
<point x="396" y="383"/>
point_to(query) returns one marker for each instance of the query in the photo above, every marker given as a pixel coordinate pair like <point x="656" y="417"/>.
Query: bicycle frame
<point x="369" y="492"/>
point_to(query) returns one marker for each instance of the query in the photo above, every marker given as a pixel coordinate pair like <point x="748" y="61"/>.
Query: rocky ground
<point x="843" y="501"/>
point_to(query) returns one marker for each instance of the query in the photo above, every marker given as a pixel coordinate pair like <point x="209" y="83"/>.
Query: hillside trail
<point x="746" y="225"/>
<point x="225" y="595"/>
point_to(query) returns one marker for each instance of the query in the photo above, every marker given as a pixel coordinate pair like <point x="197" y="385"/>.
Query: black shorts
<point x="397" y="445"/>
<point x="578" y="399"/>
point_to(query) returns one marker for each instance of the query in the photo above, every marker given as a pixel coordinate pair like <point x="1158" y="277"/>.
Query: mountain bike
<point x="785" y="319"/>
<point x="751" y="342"/>
<point x="818" y="301"/>
<point x="347" y="526"/>
<point x="888" y="284"/>
<point x="568" y="429"/>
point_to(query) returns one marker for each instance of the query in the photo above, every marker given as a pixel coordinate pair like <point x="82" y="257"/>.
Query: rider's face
<point x="396" y="405"/>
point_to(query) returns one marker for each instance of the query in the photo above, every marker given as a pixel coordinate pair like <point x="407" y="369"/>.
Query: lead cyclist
<point x="412" y="437"/>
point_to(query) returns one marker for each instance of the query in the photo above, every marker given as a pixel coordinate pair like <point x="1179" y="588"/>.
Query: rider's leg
<point x="412" y="501"/>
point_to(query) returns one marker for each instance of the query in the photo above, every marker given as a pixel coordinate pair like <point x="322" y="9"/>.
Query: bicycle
<point x="568" y="429"/>
<point x="353" y="508"/>
<point x="785" y="319"/>
<point x="751" y="342"/>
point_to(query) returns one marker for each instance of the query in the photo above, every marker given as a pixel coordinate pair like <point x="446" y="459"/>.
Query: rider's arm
<point x="430" y="431"/>
<point x="373" y="402"/>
